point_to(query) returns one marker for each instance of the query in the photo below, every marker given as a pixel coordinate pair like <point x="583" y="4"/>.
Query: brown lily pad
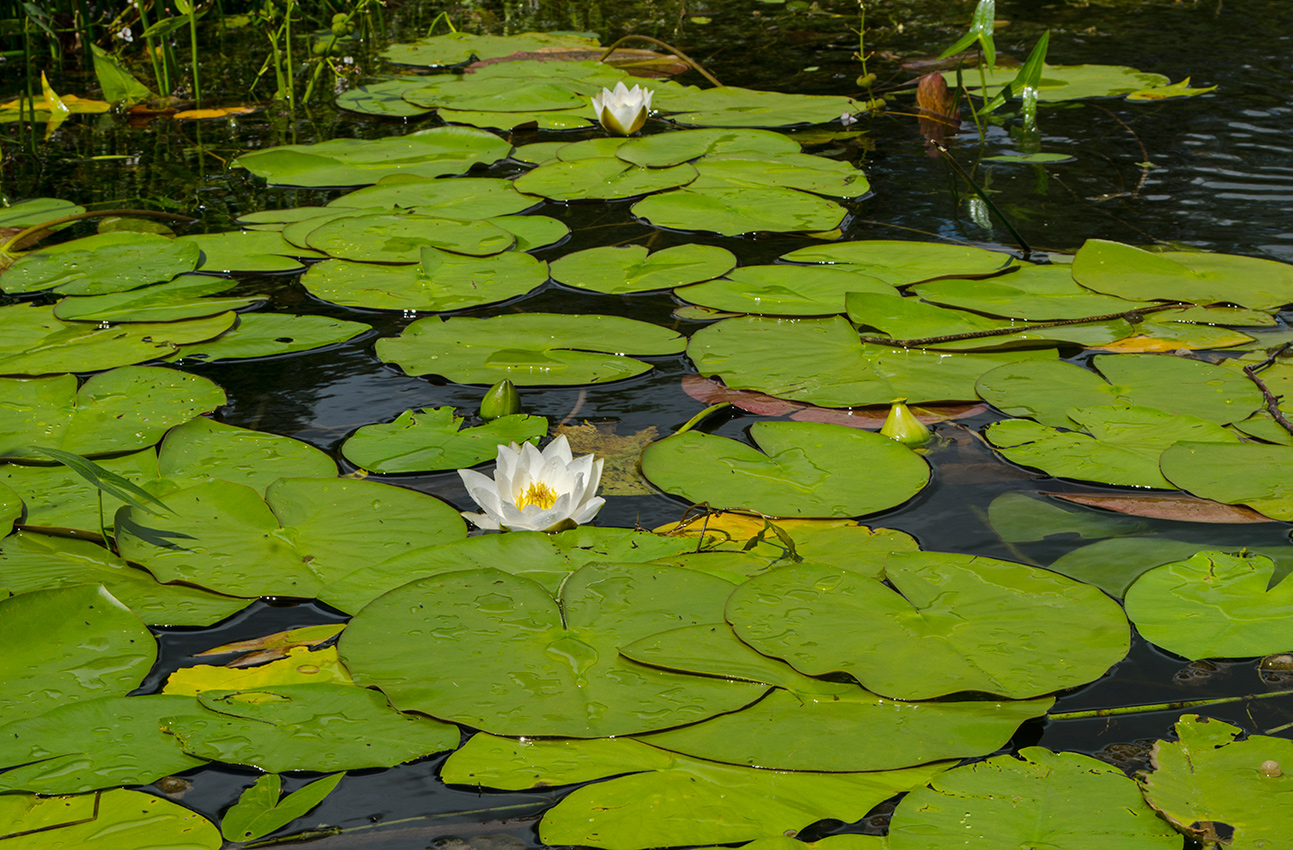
<point x="1167" y="506"/>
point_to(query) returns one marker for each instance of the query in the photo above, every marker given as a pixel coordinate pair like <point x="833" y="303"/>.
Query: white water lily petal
<point x="623" y="111"/>
<point x="530" y="477"/>
<point x="588" y="511"/>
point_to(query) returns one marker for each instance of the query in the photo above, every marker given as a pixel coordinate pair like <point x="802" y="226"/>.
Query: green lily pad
<point x="34" y="211"/>
<point x="203" y="450"/>
<point x="462" y="199"/>
<point x="483" y="93"/>
<point x="1031" y="158"/>
<point x="732" y="211"/>
<point x="531" y="349"/>
<point x="105" y="262"/>
<point x="111" y="820"/>
<point x="901" y="263"/>
<point x="268" y="334"/>
<point x="798" y="472"/>
<point x="1118" y="445"/>
<point x="385" y="98"/>
<point x="124" y="409"/>
<point x="939" y="630"/>
<point x="57" y="497"/>
<point x="259" y="811"/>
<point x="362" y="162"/>
<point x="321" y="727"/>
<point x="625" y="269"/>
<point x="601" y="178"/>
<point x="508" y="764"/>
<point x="665" y="149"/>
<point x="733" y="106"/>
<point x="494" y="651"/>
<point x="590" y="149"/>
<point x="92" y="744"/>
<point x="556" y="119"/>
<point x="801" y="171"/>
<point x="458" y="47"/>
<point x="1192" y="276"/>
<point x="1032" y="293"/>
<point x="822" y="361"/>
<point x="1213" y="605"/>
<point x="1047" y="391"/>
<point x="11" y="510"/>
<point x="401" y="238"/>
<point x="298" y="231"/>
<point x="1216" y="788"/>
<point x="1112" y="565"/>
<point x="532" y="232"/>
<point x="40" y="675"/>
<point x="783" y="290"/>
<point x="182" y="298"/>
<point x="434" y="439"/>
<point x="440" y="282"/>
<point x="248" y="252"/>
<point x="31" y="562"/>
<point x="547" y="559"/>
<point x="1246" y="474"/>
<point x="1061" y="83"/>
<point x="304" y="532"/>
<point x="1064" y="801"/>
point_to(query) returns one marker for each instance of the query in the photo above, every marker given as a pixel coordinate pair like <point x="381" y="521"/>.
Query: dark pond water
<point x="1215" y="172"/>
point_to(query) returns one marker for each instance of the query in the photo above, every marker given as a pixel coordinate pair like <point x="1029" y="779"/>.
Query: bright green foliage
<point x="981" y="29"/>
<point x="181" y="298"/>
<point x="11" y="509"/>
<point x="400" y="238"/>
<point x="105" y="262"/>
<point x="665" y="149"/>
<point x="784" y="290"/>
<point x="601" y="178"/>
<point x="1061" y="83"/>
<point x="1213" y="605"/>
<point x="464" y="199"/>
<point x="385" y="98"/>
<point x="1030" y="292"/>
<point x="626" y="269"/>
<point x="440" y="282"/>
<point x="268" y="334"/>
<point x="259" y="811"/>
<point x="35" y="211"/>
<point x="800" y="171"/>
<point x="113" y="820"/>
<point x="457" y="47"/>
<point x="203" y="449"/>
<point x="731" y="210"/>
<point x="494" y="651"/>
<point x="516" y="765"/>
<point x="248" y="252"/>
<point x="733" y="106"/>
<point x="1215" y="788"/>
<point x="1061" y="801"/>
<point x="809" y="469"/>
<point x="900" y="263"/>
<point x="1246" y="474"/>
<point x="434" y="439"/>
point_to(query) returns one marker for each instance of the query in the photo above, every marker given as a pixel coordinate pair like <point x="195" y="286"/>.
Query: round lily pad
<point x="601" y="178"/>
<point x="1061" y="801"/>
<point x="900" y="262"/>
<point x="494" y="651"/>
<point x="385" y="98"/>
<point x="949" y="623"/>
<point x="134" y="819"/>
<point x="202" y="450"/>
<point x="733" y="106"/>
<point x="464" y="198"/>
<point x="531" y="349"/>
<point x="248" y="252"/>
<point x="665" y="149"/>
<point x="624" y="269"/>
<point x="1247" y="474"/>
<point x="1032" y="293"/>
<point x="801" y="171"/>
<point x="35" y="211"/>
<point x="783" y="290"/>
<point x="798" y="470"/>
<point x="401" y="238"/>
<point x="441" y="282"/>
<point x="185" y="297"/>
<point x="429" y="440"/>
<point x="268" y="334"/>
<point x="732" y="211"/>
<point x="105" y="262"/>
<point x="478" y="93"/>
<point x="532" y="232"/>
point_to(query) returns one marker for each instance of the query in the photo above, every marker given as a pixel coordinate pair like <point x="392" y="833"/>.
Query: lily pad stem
<point x="702" y="416"/>
<point x="1162" y="706"/>
<point x="675" y="51"/>
<point x="44" y="225"/>
<point x="933" y="340"/>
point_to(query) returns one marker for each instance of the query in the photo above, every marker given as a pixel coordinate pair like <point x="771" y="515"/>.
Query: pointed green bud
<point x="903" y="426"/>
<point x="501" y="400"/>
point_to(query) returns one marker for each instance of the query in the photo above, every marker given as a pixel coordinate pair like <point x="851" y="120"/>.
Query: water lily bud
<point x="622" y="111"/>
<point x="501" y="400"/>
<point x="903" y="426"/>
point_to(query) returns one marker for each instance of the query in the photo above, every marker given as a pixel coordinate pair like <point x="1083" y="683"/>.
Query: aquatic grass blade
<point x="981" y="25"/>
<point x="105" y="480"/>
<point x="1025" y="82"/>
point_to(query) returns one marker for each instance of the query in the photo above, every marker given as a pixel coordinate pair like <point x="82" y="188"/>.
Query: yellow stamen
<point x="538" y="493"/>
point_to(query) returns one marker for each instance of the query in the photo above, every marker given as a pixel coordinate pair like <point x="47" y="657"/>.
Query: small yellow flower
<point x="624" y="110"/>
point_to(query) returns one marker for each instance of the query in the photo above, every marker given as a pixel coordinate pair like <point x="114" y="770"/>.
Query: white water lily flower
<point x="624" y="110"/>
<point x="536" y="491"/>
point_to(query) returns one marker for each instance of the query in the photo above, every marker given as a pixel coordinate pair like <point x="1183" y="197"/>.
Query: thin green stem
<point x="702" y="416"/>
<point x="193" y="59"/>
<point x="675" y="51"/>
<point x="1001" y="217"/>
<point x="55" y="222"/>
<point x="1164" y="706"/>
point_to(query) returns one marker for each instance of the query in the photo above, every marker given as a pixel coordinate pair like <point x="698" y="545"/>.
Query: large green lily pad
<point x="949" y="623"/>
<point x="11" y="509"/>
<point x="731" y="210"/>
<point x="510" y="764"/>
<point x="57" y="668"/>
<point x="601" y="178"/>
<point x="495" y="651"/>
<point x="105" y="262"/>
<point x="32" y="562"/>
<point x="465" y="198"/>
<point x="304" y="532"/>
<point x="457" y="47"/>
<point x="800" y="469"/>
<point x="1060" y="801"/>
<point x="35" y="211"/>
<point x="182" y="298"/>
<point x="665" y="149"/>
<point x="57" y="497"/>
<point x="1213" y="605"/>
<point x="434" y="439"/>
<point x="270" y="334"/>
<point x="320" y="727"/>
<point x="400" y="238"/>
<point x="385" y="98"/>
<point x="1112" y="565"/>
<point x="92" y="744"/>
<point x="783" y="290"/>
<point x="1192" y="276"/>
<point x="202" y="450"/>
<point x="801" y="171"/>
<point x="822" y="361"/>
<point x="440" y="282"/>
<point x="1047" y="391"/>
<point x="900" y="262"/>
<point x="733" y="106"/>
<point x="121" y="410"/>
<point x="1066" y="82"/>
<point x="626" y="269"/>
<point x="1032" y="293"/>
<point x="248" y="252"/>
<point x="110" y="820"/>
<point x="361" y="162"/>
<point x="531" y="349"/>
<point x="1258" y="476"/>
<point x="481" y="93"/>
<point x="1119" y="445"/>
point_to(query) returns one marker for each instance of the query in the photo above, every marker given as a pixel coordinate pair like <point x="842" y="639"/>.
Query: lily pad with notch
<point x="783" y="290"/>
<point x="99" y="264"/>
<point x="400" y="238"/>
<point x="248" y="252"/>
<point x="627" y="269"/>
<point x="434" y="439"/>
<point x="440" y="282"/>
<point x="601" y="178"/>
<point x="731" y="211"/>
<point x="463" y="199"/>
<point x="1245" y="474"/>
<point x="664" y="149"/>
<point x="385" y="98"/>
<point x="801" y="171"/>
<point x="270" y="334"/>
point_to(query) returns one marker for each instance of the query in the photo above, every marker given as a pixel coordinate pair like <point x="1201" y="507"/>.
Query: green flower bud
<point x="501" y="400"/>
<point x="866" y="81"/>
<point x="903" y="426"/>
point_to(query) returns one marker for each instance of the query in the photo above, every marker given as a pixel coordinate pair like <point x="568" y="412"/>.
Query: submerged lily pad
<point x="440" y="282"/>
<point x="1061" y="801"/>
<point x="625" y="269"/>
<point x="783" y="290"/>
<point x="1216" y="788"/>
<point x="429" y="440"/>
<point x="731" y="210"/>
<point x="494" y="651"/>
<point x="121" y="410"/>
<point x="1213" y="605"/>
<point x="55" y="670"/>
<point x="320" y="727"/>
<point x="798" y="470"/>
<point x="950" y="623"/>
<point x="105" y="262"/>
<point x="1247" y="474"/>
<point x="111" y="819"/>
<point x="531" y="349"/>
